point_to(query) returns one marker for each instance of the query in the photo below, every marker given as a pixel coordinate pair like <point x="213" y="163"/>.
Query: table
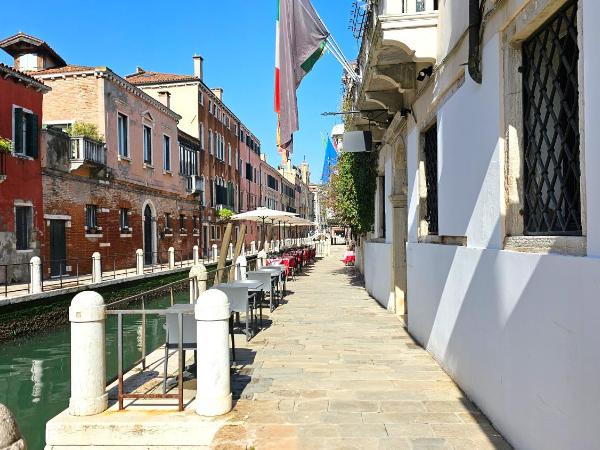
<point x="243" y="305"/>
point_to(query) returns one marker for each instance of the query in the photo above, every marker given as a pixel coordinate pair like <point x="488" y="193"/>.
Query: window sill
<point x="125" y="159"/>
<point x="168" y="234"/>
<point x="148" y="166"/>
<point x="167" y="172"/>
<point x="563" y="245"/>
<point x="25" y="251"/>
<point x="88" y="235"/>
<point x="22" y="156"/>
<point x="126" y="235"/>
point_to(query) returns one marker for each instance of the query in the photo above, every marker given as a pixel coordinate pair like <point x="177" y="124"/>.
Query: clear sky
<point x="236" y="39"/>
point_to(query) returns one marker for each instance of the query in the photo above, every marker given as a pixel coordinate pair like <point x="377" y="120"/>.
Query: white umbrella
<point x="261" y="214"/>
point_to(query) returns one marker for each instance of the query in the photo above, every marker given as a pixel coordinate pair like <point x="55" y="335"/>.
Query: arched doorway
<point x="149" y="243"/>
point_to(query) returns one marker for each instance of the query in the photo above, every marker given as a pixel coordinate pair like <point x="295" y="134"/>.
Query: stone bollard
<point x="230" y="253"/>
<point x="198" y="281"/>
<point x="213" y="388"/>
<point x="10" y="435"/>
<point x="252" y="247"/>
<point x="36" y="275"/>
<point x="241" y="267"/>
<point x="259" y="246"/>
<point x="87" y="315"/>
<point x="171" y="253"/>
<point x="214" y="252"/>
<point x="96" y="268"/>
<point x="139" y="261"/>
<point x="261" y="259"/>
<point x="195" y="255"/>
<point x="244" y="249"/>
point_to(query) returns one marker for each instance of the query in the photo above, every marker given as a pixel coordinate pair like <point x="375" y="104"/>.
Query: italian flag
<point x="300" y="38"/>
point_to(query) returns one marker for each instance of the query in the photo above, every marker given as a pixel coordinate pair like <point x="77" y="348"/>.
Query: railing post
<point x="139" y="261"/>
<point x="171" y="252"/>
<point x="213" y="389"/>
<point x="87" y="315"/>
<point x="241" y="267"/>
<point x="10" y="435"/>
<point x="261" y="259"/>
<point x="214" y="252"/>
<point x="96" y="268"/>
<point x="36" y="275"/>
<point x="198" y="281"/>
<point x="195" y="254"/>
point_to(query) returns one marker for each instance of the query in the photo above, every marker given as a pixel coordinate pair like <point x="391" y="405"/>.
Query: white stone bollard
<point x="139" y="261"/>
<point x="10" y="435"/>
<point x="214" y="252"/>
<point x="87" y="315"/>
<point x="230" y="253"/>
<point x="171" y="253"/>
<point x="213" y="388"/>
<point x="244" y="249"/>
<point x="198" y="281"/>
<point x="195" y="255"/>
<point x="261" y="259"/>
<point x="241" y="267"/>
<point x="36" y="275"/>
<point x="259" y="246"/>
<point x="272" y="245"/>
<point x="96" y="268"/>
<point x="252" y="247"/>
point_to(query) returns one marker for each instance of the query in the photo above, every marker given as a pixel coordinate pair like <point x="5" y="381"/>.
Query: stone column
<point x="195" y="254"/>
<point x="213" y="389"/>
<point x="214" y="252"/>
<point x="96" y="268"/>
<point x="400" y="232"/>
<point x="139" y="261"/>
<point x="241" y="267"/>
<point x="36" y="275"/>
<point x="198" y="281"/>
<point x="87" y="315"/>
<point x="171" y="252"/>
<point x="10" y="435"/>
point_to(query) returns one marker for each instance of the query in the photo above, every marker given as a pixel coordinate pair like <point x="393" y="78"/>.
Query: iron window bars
<point x="430" y="150"/>
<point x="552" y="203"/>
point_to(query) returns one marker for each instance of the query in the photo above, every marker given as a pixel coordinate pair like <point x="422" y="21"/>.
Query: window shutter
<point x="32" y="145"/>
<point x="18" y="137"/>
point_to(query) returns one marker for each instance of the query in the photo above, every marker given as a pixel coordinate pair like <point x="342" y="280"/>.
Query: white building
<point x="486" y="231"/>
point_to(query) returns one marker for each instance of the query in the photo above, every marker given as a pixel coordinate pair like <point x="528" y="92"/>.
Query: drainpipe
<point x="475" y="41"/>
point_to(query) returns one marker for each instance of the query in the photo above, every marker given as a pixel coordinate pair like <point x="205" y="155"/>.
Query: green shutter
<point x="18" y="137"/>
<point x="33" y="143"/>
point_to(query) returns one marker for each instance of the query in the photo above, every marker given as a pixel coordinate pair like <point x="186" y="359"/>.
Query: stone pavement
<point x="335" y="370"/>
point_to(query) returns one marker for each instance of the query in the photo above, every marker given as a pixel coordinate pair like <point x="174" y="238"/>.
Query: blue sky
<point x="236" y="39"/>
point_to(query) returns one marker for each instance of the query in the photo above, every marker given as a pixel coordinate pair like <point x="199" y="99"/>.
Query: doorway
<point x="148" y="236"/>
<point x="58" y="248"/>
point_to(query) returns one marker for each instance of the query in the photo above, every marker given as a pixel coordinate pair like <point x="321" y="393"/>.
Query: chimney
<point x="165" y="98"/>
<point x="139" y="70"/>
<point x="218" y="93"/>
<point x="198" y="69"/>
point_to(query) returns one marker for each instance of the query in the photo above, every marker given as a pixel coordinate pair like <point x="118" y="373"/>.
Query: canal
<point x="35" y="370"/>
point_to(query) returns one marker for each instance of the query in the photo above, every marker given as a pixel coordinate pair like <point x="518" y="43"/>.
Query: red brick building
<point x="120" y="190"/>
<point x="21" y="212"/>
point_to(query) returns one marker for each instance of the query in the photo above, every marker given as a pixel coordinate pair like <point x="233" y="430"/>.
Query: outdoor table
<point x="253" y="287"/>
<point x="276" y="272"/>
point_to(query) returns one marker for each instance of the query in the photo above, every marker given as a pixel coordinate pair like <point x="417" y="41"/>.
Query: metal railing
<point x="87" y="150"/>
<point x="20" y="271"/>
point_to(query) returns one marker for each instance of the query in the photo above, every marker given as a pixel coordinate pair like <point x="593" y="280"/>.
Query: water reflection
<point x="35" y="370"/>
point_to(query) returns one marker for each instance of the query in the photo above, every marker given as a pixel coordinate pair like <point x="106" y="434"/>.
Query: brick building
<point x="207" y="118"/>
<point x="249" y="169"/>
<point x="21" y="212"/>
<point x="119" y="190"/>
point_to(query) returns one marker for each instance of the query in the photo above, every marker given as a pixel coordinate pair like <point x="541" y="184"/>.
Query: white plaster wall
<point x="412" y="165"/>
<point x="469" y="148"/>
<point x="519" y="333"/>
<point x="378" y="272"/>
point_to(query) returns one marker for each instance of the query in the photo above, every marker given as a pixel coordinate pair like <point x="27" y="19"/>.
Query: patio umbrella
<point x="261" y="214"/>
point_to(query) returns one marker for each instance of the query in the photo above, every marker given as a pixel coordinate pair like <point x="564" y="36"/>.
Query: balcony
<point x="399" y="38"/>
<point x="87" y="152"/>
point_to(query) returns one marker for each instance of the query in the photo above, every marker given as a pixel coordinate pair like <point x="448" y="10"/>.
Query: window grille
<point x="431" y="180"/>
<point x="552" y="203"/>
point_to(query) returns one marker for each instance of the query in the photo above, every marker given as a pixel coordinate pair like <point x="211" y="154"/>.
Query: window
<point x="552" y="203"/>
<point x="210" y="105"/>
<point x="25" y="136"/>
<point x="123" y="130"/>
<point x="210" y="142"/>
<point x="181" y="222"/>
<point x="195" y="222"/>
<point x="201" y="134"/>
<point x="201" y="98"/>
<point x="188" y="161"/>
<point x="91" y="217"/>
<point x="23" y="222"/>
<point x="431" y="180"/>
<point x="147" y="144"/>
<point x="168" y="221"/>
<point x="124" y="220"/>
<point x="166" y="153"/>
<point x="248" y="172"/>
<point x="229" y="153"/>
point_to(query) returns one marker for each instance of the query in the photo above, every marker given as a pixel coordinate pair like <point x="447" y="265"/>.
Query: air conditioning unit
<point x="195" y="184"/>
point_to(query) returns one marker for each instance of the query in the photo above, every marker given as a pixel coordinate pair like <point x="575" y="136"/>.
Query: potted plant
<point x="224" y="215"/>
<point x="6" y="145"/>
<point x="86" y="130"/>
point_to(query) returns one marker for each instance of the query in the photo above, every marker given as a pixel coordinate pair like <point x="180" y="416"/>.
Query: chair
<point x="239" y="303"/>
<point x="189" y="336"/>
<point x="265" y="279"/>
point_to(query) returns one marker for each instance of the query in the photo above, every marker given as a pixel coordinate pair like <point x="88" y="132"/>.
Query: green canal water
<point x="35" y="370"/>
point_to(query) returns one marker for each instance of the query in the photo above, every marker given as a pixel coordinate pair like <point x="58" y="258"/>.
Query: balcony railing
<point x="87" y="151"/>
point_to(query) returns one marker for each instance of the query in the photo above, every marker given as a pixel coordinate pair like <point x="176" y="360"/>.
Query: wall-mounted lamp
<point x="426" y="72"/>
